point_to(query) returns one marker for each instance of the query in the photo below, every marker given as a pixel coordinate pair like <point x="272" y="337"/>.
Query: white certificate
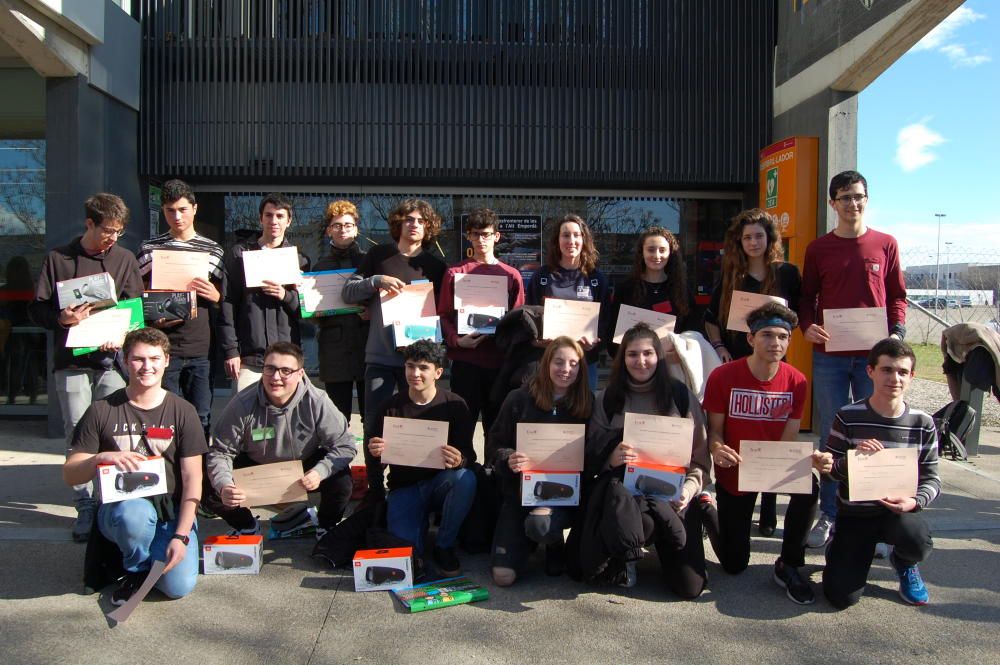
<point x="480" y="291"/>
<point x="855" y="328"/>
<point x="415" y="301"/>
<point x="628" y="316"/>
<point x="744" y="302"/>
<point x="173" y="270"/>
<point x="551" y="446"/>
<point x="280" y="266"/>
<point x="779" y="467"/>
<point x="320" y="293"/>
<point x="109" y="325"/>
<point x="414" y="442"/>
<point x="890" y="472"/>
<point x="660" y="439"/>
<point x="575" y="319"/>
<point x="270" y="484"/>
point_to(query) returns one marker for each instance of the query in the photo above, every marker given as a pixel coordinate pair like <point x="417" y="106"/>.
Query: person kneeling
<point x="282" y="417"/>
<point x="758" y="398"/>
<point x="883" y="420"/>
<point x="140" y="421"/>
<point x="416" y="491"/>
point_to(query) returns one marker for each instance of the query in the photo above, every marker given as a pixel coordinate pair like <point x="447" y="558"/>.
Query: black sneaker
<point x="796" y="588"/>
<point x="446" y="561"/>
<point x="129" y="585"/>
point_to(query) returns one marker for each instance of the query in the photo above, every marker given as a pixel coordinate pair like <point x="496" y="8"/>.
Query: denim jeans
<point x="381" y="381"/>
<point x="133" y="527"/>
<point x="190" y="378"/>
<point x="76" y="389"/>
<point x="837" y="381"/>
<point x="450" y="491"/>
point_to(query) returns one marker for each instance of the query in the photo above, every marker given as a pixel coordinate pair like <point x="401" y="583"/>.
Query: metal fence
<point x="963" y="286"/>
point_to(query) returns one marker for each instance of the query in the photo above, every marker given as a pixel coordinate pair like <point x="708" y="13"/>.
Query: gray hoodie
<point x="309" y="421"/>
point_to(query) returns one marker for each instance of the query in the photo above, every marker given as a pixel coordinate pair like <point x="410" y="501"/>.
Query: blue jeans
<point x="450" y="491"/>
<point x="189" y="378"/>
<point x="837" y="381"/>
<point x="133" y="527"/>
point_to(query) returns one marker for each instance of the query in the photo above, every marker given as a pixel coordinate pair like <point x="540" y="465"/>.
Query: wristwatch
<point x="183" y="539"/>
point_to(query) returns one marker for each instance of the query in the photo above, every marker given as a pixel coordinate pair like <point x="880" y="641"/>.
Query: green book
<point x="137" y="321"/>
<point x="442" y="593"/>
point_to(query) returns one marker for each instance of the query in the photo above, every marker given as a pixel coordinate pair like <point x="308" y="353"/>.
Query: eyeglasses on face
<point x="284" y="372"/>
<point x="105" y="231"/>
<point x="343" y="227"/>
<point x="848" y="199"/>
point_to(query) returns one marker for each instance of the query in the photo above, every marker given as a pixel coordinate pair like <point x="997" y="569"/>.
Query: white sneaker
<point x="821" y="532"/>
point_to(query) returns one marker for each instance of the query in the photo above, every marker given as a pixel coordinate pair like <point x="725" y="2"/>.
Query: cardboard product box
<point x="170" y="305"/>
<point x="408" y="332"/>
<point x="232" y="555"/>
<point x="98" y="290"/>
<point x="482" y="320"/>
<point x="115" y="485"/>
<point x="382" y="570"/>
<point x="542" y="488"/>
<point x="655" y="480"/>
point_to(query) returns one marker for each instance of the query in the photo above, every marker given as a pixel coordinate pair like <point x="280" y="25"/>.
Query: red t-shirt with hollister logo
<point x="755" y="410"/>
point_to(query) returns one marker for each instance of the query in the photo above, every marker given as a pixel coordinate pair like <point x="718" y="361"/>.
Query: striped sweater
<point x="914" y="428"/>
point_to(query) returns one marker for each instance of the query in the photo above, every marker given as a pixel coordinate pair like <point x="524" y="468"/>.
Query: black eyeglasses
<point x="343" y="227"/>
<point x="285" y="372"/>
<point x="847" y="199"/>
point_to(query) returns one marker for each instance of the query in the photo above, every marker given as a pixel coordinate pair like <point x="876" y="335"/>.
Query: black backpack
<point x="954" y="422"/>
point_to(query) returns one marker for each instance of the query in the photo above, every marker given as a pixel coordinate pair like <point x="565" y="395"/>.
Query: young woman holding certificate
<point x="617" y="524"/>
<point x="558" y="393"/>
<point x="342" y="337"/>
<point x="658" y="282"/>
<point x="752" y="261"/>
<point x="570" y="273"/>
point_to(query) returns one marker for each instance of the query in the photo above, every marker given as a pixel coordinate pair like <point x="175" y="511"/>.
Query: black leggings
<point x="342" y="395"/>
<point x="849" y="557"/>
<point x="729" y="527"/>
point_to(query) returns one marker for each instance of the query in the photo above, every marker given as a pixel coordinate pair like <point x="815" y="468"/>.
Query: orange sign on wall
<point x="789" y="190"/>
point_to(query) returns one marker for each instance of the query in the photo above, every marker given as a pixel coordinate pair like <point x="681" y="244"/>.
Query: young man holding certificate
<point x="414" y="226"/>
<point x="878" y="511"/>
<point x="188" y="373"/>
<point x="255" y="317"/>
<point x="280" y="418"/>
<point x="445" y="484"/>
<point x="119" y="433"/>
<point x="758" y="398"/>
<point x="475" y="358"/>
<point x="79" y="379"/>
<point x="850" y="267"/>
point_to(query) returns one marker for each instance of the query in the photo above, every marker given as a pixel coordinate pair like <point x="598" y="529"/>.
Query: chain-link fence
<point x="954" y="287"/>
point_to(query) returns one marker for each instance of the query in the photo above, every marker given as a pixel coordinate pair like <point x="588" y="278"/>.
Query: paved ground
<point x="296" y="612"/>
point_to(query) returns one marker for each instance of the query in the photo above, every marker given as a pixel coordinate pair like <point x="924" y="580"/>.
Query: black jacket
<point x="341" y="338"/>
<point x="69" y="262"/>
<point x="251" y="320"/>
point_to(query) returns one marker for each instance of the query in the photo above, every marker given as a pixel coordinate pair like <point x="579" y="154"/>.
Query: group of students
<point x="515" y="376"/>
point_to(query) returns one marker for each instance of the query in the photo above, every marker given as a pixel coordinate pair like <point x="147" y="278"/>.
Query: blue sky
<point x="929" y="141"/>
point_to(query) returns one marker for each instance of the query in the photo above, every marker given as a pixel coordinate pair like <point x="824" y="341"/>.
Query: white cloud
<point x="946" y="29"/>
<point x="913" y="146"/>
<point x="961" y="58"/>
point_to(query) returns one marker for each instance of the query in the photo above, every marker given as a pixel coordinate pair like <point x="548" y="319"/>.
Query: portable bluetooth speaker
<point x="130" y="481"/>
<point x="384" y="574"/>
<point x="230" y="560"/>
<point x="547" y="490"/>
<point x="650" y="485"/>
<point x="483" y="321"/>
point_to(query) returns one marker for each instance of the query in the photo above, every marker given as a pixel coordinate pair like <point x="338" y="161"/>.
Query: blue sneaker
<point x="911" y="586"/>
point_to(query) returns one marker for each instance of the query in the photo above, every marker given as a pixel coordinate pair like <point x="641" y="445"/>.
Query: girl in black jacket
<point x="558" y="393"/>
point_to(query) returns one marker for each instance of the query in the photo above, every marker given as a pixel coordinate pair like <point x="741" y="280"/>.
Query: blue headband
<point x="773" y="322"/>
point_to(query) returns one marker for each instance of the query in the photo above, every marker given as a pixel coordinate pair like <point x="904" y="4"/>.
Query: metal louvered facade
<point x="595" y="93"/>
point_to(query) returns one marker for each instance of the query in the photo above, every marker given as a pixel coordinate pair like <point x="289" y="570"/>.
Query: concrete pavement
<point x="297" y="612"/>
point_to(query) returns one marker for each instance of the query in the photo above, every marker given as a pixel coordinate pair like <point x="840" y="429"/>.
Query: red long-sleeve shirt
<point x="840" y="273"/>
<point x="487" y="354"/>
